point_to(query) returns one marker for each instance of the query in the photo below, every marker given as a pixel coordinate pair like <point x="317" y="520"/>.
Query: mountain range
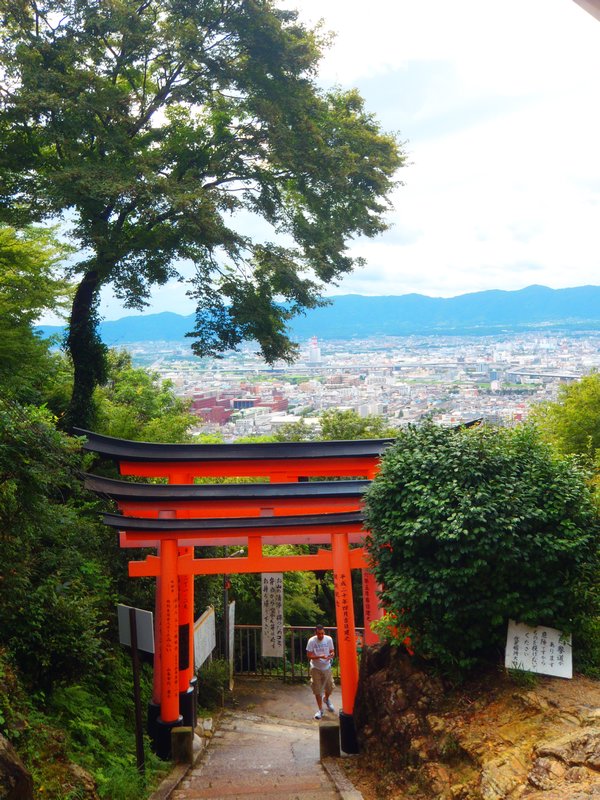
<point x="357" y="316"/>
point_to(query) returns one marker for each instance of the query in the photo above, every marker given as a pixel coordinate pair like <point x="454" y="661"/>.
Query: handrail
<point x="293" y="666"/>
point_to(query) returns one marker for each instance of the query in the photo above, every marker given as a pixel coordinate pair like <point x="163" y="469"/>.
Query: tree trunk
<point x="87" y="353"/>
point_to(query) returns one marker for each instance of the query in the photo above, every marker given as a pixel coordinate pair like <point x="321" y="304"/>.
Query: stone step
<point x="251" y="757"/>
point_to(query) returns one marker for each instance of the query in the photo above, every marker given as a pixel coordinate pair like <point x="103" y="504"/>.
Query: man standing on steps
<point x="321" y="651"/>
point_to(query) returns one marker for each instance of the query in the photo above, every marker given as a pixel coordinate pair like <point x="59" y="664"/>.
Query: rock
<point x="83" y="782"/>
<point x="419" y="750"/>
<point x="576" y="775"/>
<point x="488" y="742"/>
<point x="399" y="700"/>
<point x="438" y="778"/>
<point x="578" y="748"/>
<point x="437" y="724"/>
<point x="15" y="781"/>
<point x="500" y="776"/>
<point x="464" y="791"/>
<point x="532" y="701"/>
<point x="545" y="773"/>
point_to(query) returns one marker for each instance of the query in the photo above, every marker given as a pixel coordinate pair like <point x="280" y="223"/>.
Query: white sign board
<point x="272" y="614"/>
<point x="144" y="627"/>
<point x="205" y="637"/>
<point x="540" y="649"/>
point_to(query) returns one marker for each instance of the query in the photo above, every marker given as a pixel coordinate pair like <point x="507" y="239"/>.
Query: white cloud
<point x="509" y="46"/>
<point x="498" y="102"/>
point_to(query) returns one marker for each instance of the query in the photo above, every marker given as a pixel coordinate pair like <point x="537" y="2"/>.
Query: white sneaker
<point x="319" y="715"/>
<point x="329" y="705"/>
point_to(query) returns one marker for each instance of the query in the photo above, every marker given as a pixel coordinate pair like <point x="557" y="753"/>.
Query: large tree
<point x="155" y="129"/>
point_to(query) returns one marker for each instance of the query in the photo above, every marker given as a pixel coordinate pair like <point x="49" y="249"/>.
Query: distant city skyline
<point x="497" y="104"/>
<point x="450" y="380"/>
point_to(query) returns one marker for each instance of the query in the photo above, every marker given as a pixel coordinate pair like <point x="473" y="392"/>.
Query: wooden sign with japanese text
<point x="540" y="649"/>
<point x="272" y="614"/>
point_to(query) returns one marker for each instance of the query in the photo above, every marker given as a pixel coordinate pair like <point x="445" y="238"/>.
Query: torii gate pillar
<point x="344" y="614"/>
<point x="169" y="638"/>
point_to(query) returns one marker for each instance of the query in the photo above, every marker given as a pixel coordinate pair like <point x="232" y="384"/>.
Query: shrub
<point x="213" y="683"/>
<point x="55" y="589"/>
<point x="469" y="528"/>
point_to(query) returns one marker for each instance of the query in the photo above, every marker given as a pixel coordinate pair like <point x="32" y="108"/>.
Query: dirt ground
<point x="495" y="716"/>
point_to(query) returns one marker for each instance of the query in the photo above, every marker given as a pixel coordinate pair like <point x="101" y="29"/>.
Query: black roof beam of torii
<point x="125" y="450"/>
<point x="152" y="492"/>
<point x="248" y="524"/>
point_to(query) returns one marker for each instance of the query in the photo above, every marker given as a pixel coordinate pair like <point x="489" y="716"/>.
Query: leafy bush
<point x="90" y="725"/>
<point x="213" y="682"/>
<point x="55" y="590"/>
<point x="472" y="527"/>
<point x="101" y="736"/>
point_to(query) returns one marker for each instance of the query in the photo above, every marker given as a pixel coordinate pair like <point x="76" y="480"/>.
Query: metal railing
<point x="248" y="659"/>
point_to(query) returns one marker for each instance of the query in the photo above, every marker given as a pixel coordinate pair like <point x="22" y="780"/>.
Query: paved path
<point x="267" y="747"/>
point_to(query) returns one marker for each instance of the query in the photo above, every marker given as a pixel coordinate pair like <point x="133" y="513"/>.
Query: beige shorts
<point x="321" y="681"/>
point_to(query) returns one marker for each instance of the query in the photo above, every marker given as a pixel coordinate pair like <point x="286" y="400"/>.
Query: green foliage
<point x="572" y="423"/>
<point x="54" y="587"/>
<point x="472" y="527"/>
<point x="586" y="645"/>
<point x="29" y="261"/>
<point x="90" y="725"/>
<point x="156" y="125"/>
<point x="12" y="699"/>
<point x="295" y="432"/>
<point x="134" y="404"/>
<point x="99" y="722"/>
<point x="522" y="678"/>
<point x="391" y="629"/>
<point x="339" y="425"/>
<point x="213" y="684"/>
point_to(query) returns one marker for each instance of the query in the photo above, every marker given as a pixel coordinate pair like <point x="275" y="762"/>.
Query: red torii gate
<point x="167" y="518"/>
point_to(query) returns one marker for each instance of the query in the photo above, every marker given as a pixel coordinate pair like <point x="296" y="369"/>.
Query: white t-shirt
<point x="320" y="648"/>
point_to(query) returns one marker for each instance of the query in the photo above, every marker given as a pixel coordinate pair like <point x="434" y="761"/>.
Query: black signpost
<point x="136" y="630"/>
<point x="137" y="700"/>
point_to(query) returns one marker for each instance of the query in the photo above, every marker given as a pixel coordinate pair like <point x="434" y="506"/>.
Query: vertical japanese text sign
<point x="343" y="600"/>
<point x="272" y="614"/>
<point x="540" y="649"/>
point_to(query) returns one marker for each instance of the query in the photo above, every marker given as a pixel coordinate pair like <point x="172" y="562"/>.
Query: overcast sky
<point x="498" y="105"/>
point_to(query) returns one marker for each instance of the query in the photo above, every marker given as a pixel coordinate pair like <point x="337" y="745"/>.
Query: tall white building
<point x="314" y="351"/>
